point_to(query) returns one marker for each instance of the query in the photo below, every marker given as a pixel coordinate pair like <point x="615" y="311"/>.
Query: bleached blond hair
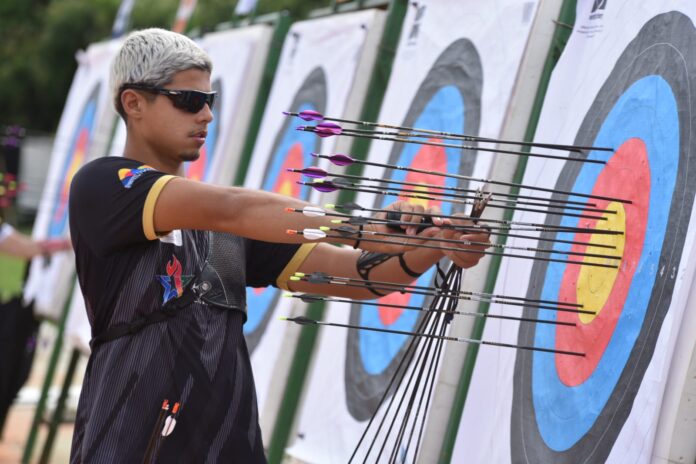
<point x="152" y="57"/>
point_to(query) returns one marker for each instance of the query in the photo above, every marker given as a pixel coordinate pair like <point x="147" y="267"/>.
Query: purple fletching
<point x="311" y="115"/>
<point x="325" y="187"/>
<point x="340" y="159"/>
<point x="314" y="172"/>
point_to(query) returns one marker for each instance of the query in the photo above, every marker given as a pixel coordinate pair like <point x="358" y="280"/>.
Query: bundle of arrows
<point x="394" y="432"/>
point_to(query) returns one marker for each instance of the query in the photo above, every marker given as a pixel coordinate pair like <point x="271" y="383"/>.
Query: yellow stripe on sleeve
<point x="149" y="209"/>
<point x="293" y="265"/>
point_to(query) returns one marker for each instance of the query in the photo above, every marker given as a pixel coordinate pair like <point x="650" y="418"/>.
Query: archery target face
<point x="449" y="99"/>
<point x="291" y="149"/>
<point x="76" y="157"/>
<point x="570" y="410"/>
<point x="201" y="168"/>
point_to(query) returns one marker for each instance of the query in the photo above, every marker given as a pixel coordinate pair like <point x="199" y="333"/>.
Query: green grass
<point x="11" y="275"/>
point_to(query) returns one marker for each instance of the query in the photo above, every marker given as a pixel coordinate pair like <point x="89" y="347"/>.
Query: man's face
<point x="173" y="132"/>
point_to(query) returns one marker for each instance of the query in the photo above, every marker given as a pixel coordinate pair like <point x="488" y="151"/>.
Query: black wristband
<point x="405" y="268"/>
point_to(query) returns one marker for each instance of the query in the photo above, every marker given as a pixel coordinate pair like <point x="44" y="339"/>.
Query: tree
<point x="40" y="39"/>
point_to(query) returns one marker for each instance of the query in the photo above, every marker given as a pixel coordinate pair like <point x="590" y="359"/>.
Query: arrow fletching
<point x="313" y="211"/>
<point x="311" y="171"/>
<point x="300" y="320"/>
<point x="307" y="298"/>
<point x="313" y="234"/>
<point x="310" y="115"/>
<point x="323" y="186"/>
<point x="326" y="129"/>
<point x="339" y="159"/>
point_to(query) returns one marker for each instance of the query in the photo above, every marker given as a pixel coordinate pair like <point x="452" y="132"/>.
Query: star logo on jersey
<point x="173" y="282"/>
<point x="129" y="176"/>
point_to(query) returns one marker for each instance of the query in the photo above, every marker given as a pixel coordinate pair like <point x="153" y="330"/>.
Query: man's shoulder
<point x="111" y="170"/>
<point x="108" y="164"/>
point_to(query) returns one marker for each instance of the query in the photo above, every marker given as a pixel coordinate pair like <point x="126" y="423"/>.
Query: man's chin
<point x="188" y="157"/>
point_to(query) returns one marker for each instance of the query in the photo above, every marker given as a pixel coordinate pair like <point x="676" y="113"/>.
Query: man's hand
<point x="474" y="243"/>
<point x="408" y="212"/>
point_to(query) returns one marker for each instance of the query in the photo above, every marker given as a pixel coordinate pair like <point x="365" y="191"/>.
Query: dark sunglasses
<point x="188" y="100"/>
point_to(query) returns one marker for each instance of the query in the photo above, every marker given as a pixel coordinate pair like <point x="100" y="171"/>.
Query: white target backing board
<point x="324" y="66"/>
<point x="83" y="133"/>
<point x="623" y="82"/>
<point x="238" y="57"/>
<point x="454" y="71"/>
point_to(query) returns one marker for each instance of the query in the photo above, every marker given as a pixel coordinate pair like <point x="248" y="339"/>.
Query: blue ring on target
<point x="646" y="110"/>
<point x="262" y="301"/>
<point x="56" y="228"/>
<point x="443" y="113"/>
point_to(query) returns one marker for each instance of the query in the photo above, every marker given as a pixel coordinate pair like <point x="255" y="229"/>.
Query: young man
<point x="165" y="295"/>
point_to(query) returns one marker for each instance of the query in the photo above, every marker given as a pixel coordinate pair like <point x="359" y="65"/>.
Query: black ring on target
<point x="457" y="70"/>
<point x="289" y="142"/>
<point x="664" y="47"/>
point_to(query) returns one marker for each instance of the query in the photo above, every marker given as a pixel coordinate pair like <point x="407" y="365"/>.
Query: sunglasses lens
<point x="193" y="101"/>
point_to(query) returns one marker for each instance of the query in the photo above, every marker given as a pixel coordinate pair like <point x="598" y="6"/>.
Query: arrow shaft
<point x="513" y="198"/>
<point x="440" y="311"/>
<point x="453" y="145"/>
<point x="493" y="202"/>
<point x="471" y="138"/>
<point x="469" y="178"/>
<point x="484" y="252"/>
<point x="406" y="289"/>
<point x="532" y="226"/>
<point x="405" y="193"/>
<point x="494" y="245"/>
<point x="439" y="293"/>
<point x="476" y="229"/>
<point x="448" y="338"/>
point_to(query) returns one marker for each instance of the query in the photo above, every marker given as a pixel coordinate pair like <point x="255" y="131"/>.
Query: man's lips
<point x="200" y="136"/>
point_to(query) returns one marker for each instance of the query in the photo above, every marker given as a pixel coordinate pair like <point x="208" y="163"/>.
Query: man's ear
<point x="132" y="103"/>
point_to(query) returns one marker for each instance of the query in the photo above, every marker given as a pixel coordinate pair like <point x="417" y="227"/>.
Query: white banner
<point x="623" y="82"/>
<point x="83" y="134"/>
<point x="323" y="67"/>
<point x="454" y="71"/>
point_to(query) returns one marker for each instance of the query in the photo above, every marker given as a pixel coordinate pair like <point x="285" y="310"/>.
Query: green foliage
<point x="40" y="39"/>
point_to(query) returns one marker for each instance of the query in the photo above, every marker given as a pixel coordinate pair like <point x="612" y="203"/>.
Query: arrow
<point x="307" y="321"/>
<point x="358" y="220"/>
<point x="313" y="211"/>
<point x="320" y="278"/>
<point x="318" y="173"/>
<point x="309" y="115"/>
<point x="308" y="298"/>
<point x="350" y="231"/>
<point x="331" y="131"/>
<point x="317" y="234"/>
<point x="340" y="159"/>
<point x="155" y="430"/>
<point x="336" y="184"/>
<point x="170" y="423"/>
<point x="474" y="229"/>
